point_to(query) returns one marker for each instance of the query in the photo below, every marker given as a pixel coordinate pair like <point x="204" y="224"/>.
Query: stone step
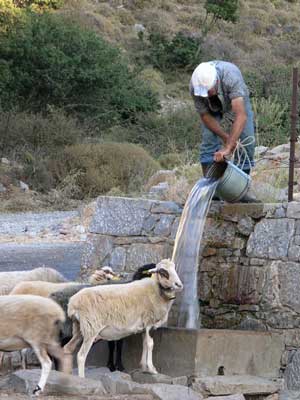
<point x="236" y="384"/>
<point x="204" y="352"/>
<point x="103" y="384"/>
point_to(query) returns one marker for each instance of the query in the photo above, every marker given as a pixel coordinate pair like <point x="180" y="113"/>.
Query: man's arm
<point x="238" y="125"/>
<point x="212" y="124"/>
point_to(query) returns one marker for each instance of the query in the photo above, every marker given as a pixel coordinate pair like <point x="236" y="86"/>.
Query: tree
<point x="216" y="10"/>
<point x="222" y="9"/>
<point x="50" y="61"/>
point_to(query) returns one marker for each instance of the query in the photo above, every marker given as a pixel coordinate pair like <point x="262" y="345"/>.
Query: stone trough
<point x="204" y="352"/>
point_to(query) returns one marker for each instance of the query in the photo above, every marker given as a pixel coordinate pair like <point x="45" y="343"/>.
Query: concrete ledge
<point x="180" y="352"/>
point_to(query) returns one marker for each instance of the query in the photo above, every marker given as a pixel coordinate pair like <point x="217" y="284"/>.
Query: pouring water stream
<point x="187" y="246"/>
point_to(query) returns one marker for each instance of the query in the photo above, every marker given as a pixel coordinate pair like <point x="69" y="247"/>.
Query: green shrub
<point x="269" y="120"/>
<point x="175" y="131"/>
<point x="170" y="160"/>
<point x="39" y="4"/>
<point x="36" y="133"/>
<point x="222" y="9"/>
<point x="255" y="83"/>
<point x="9" y="14"/>
<point x="50" y="61"/>
<point x="102" y="167"/>
<point x="178" y="52"/>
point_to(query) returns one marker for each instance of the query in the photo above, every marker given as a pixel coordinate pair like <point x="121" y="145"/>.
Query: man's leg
<point x="210" y="143"/>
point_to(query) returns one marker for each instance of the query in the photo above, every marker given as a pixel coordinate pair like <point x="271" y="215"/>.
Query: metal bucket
<point x="233" y="182"/>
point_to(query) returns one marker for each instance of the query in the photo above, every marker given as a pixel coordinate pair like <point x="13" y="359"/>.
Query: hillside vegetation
<point x="81" y="78"/>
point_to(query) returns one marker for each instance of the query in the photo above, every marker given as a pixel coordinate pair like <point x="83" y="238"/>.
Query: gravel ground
<point x="20" y="223"/>
<point x="52" y="239"/>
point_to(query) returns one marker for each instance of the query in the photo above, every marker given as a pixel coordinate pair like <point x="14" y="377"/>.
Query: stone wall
<point x="249" y="270"/>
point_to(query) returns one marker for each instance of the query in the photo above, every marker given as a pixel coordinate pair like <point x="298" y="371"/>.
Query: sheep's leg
<point x="1" y="358"/>
<point x="71" y="346"/>
<point x="23" y="358"/>
<point x="57" y="352"/>
<point x="119" y="364"/>
<point x="147" y="363"/>
<point x="143" y="362"/>
<point x="45" y="361"/>
<point x="111" y="351"/>
<point x="82" y="354"/>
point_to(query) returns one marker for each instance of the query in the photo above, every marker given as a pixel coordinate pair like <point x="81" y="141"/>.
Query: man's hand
<point x="222" y="154"/>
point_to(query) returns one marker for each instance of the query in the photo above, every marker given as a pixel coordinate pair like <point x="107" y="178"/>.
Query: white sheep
<point x="45" y="289"/>
<point x="9" y="279"/>
<point x="117" y="311"/>
<point x="32" y="321"/>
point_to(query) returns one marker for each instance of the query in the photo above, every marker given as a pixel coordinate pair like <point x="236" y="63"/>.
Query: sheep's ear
<point x="164" y="273"/>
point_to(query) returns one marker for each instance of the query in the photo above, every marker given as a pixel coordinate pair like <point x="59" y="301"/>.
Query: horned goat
<point x="9" y="279"/>
<point x="32" y="321"/>
<point x="113" y="312"/>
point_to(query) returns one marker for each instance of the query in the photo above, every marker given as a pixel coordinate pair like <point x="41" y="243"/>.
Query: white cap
<point x="204" y="78"/>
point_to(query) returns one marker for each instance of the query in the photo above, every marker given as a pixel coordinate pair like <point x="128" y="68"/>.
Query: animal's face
<point x="102" y="275"/>
<point x="167" y="276"/>
<point x="109" y="273"/>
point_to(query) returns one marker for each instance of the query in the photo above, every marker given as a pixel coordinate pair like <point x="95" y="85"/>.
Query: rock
<point x="96" y="249"/>
<point x="5" y="161"/>
<point x="97" y="373"/>
<point x="24" y="381"/>
<point x="274" y="396"/>
<point x="2" y="188"/>
<point x="289" y="395"/>
<point x="218" y="233"/>
<point x="293" y="210"/>
<point x="159" y="191"/>
<point x="173" y="392"/>
<point x="120" y="216"/>
<point x="268" y="193"/>
<point x="139" y="28"/>
<point x="118" y="258"/>
<point x="245" y="225"/>
<point x="166" y="207"/>
<point x="292" y="373"/>
<point x="296" y="197"/>
<point x="260" y="150"/>
<point x="150" y="223"/>
<point x="139" y="254"/>
<point x="164" y="175"/>
<point x="80" y="229"/>
<point x="235" y="384"/>
<point x="164" y="226"/>
<point x="230" y="397"/>
<point x="271" y="238"/>
<point x="24" y="186"/>
<point x="141" y="377"/>
<point x="282" y="148"/>
<point x="281" y="288"/>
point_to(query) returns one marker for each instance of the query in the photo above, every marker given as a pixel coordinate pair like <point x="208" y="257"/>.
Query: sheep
<point x="32" y="321"/>
<point x="62" y="298"/>
<point x="8" y="280"/>
<point x="141" y="273"/>
<point x="45" y="289"/>
<point x="113" y="312"/>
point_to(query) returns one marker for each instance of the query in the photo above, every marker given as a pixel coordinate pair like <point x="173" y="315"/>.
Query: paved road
<point x="65" y="257"/>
